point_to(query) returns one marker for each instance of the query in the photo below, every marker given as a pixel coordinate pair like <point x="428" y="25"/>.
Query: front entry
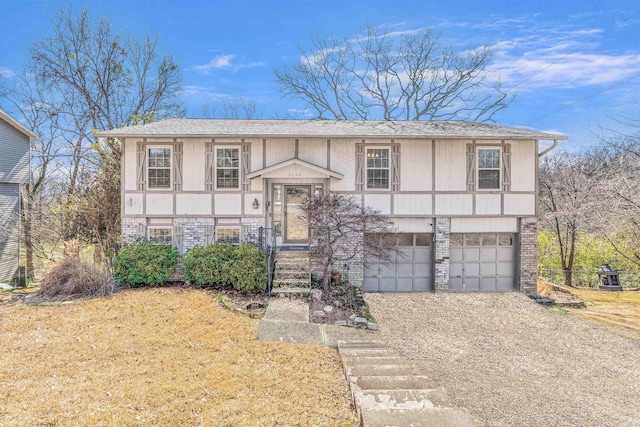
<point x="296" y="225"/>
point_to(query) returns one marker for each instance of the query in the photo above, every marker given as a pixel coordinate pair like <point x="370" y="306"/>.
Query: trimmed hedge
<point x="145" y="264"/>
<point x="242" y="267"/>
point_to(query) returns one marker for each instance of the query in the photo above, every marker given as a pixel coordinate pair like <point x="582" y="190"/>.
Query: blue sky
<point x="572" y="65"/>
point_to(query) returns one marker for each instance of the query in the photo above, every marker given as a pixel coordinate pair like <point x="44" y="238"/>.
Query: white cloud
<point x="225" y="62"/>
<point x="7" y="73"/>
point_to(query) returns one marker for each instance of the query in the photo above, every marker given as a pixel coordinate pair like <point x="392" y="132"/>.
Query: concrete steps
<point x="293" y="270"/>
<point x="388" y="390"/>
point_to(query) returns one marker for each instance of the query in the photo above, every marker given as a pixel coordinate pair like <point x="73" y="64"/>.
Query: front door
<point x="296" y="225"/>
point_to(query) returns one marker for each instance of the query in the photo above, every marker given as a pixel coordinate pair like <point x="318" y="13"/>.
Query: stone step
<point x="291" y="283"/>
<point x="380" y="360"/>
<point x="292" y="255"/>
<point x="291" y="274"/>
<point x="290" y="292"/>
<point x="425" y="417"/>
<point x="402" y="399"/>
<point x="398" y="382"/>
<point x="368" y="352"/>
<point x="380" y="370"/>
<point x="361" y="344"/>
<point x="292" y="265"/>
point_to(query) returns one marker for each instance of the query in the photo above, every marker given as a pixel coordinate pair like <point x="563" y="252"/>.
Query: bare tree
<point x="105" y="80"/>
<point x="342" y="230"/>
<point x="232" y="108"/>
<point x="568" y="186"/>
<point x="383" y="75"/>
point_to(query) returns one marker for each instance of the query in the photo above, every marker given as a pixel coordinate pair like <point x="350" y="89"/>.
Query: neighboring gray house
<point x="15" y="144"/>
<point x="461" y="194"/>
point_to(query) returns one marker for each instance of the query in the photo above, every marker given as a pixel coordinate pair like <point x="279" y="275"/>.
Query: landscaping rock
<point x="328" y="309"/>
<point x="319" y="314"/>
<point x="360" y="321"/>
<point x="337" y="303"/>
<point x="372" y="325"/>
<point x="340" y="323"/>
<point x="316" y="294"/>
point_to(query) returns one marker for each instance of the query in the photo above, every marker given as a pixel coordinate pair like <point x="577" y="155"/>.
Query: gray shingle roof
<point x="212" y="128"/>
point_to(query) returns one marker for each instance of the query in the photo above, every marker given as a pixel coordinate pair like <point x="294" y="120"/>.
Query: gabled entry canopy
<point x="295" y="168"/>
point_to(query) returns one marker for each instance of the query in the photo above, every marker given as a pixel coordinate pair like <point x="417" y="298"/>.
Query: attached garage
<point x="482" y="262"/>
<point x="411" y="271"/>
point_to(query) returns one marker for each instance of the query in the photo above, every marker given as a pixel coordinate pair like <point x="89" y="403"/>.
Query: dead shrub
<point x="73" y="278"/>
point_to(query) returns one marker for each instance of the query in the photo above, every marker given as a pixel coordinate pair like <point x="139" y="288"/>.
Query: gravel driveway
<point x="512" y="362"/>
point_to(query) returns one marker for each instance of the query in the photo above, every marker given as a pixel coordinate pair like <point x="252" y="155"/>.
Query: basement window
<point x="160" y="235"/>
<point x="229" y="235"/>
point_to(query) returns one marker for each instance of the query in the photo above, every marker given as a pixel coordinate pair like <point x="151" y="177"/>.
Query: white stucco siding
<point x="343" y="161"/>
<point x="416" y="165"/>
<point x="228" y="204"/>
<point x="454" y="204"/>
<point x="488" y="204"/>
<point x="412" y="204"/>
<point x="133" y="204"/>
<point x="381" y="202"/>
<point x="193" y="165"/>
<point x="313" y="150"/>
<point x="193" y="204"/>
<point x="451" y="164"/>
<point x="484" y="225"/>
<point x="279" y="150"/>
<point x="520" y="204"/>
<point x="523" y="165"/>
<point x="248" y="204"/>
<point x="159" y="204"/>
<point x="130" y="165"/>
<point x="413" y="225"/>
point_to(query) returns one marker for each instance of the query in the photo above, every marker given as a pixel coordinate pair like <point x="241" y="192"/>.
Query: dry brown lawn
<point x="160" y="357"/>
<point x="618" y="311"/>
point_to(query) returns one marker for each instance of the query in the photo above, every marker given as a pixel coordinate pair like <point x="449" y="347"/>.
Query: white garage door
<point x="482" y="262"/>
<point x="410" y="273"/>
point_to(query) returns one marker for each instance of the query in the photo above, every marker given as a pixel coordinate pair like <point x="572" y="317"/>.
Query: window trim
<point x="148" y="148"/>
<point x="229" y="227"/>
<point x="366" y="167"/>
<point x="160" y="227"/>
<point x="215" y="167"/>
<point x="499" y="168"/>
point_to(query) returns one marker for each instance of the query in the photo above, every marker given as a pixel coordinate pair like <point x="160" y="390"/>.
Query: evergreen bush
<point x="145" y="264"/>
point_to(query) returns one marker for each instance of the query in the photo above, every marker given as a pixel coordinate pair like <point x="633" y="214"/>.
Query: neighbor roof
<point x="325" y="128"/>
<point x="13" y="122"/>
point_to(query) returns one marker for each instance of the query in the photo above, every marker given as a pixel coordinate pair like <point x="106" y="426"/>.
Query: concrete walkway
<point x="287" y="320"/>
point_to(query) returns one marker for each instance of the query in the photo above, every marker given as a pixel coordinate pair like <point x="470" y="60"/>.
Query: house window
<point x="377" y="168"/>
<point x="159" y="168"/>
<point x="228" y="168"/>
<point x="160" y="235"/>
<point x="228" y="235"/>
<point x="489" y="168"/>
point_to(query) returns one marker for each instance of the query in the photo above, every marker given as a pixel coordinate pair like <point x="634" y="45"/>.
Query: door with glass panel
<point x="296" y="224"/>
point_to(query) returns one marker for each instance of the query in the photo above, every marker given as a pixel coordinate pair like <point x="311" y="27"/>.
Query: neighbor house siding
<point x="9" y="230"/>
<point x="14" y="154"/>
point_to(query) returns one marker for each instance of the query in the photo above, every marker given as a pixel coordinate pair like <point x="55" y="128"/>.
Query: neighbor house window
<point x="228" y="168"/>
<point x="160" y="235"/>
<point x="228" y="235"/>
<point x="159" y="168"/>
<point x="377" y="168"/>
<point x="488" y="168"/>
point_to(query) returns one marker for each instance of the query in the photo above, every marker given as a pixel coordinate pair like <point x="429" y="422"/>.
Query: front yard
<point x="160" y="357"/>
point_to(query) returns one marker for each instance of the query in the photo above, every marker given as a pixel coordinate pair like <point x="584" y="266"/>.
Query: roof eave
<point x="18" y="126"/>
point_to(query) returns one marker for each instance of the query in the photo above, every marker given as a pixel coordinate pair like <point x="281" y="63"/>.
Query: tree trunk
<point x="25" y="217"/>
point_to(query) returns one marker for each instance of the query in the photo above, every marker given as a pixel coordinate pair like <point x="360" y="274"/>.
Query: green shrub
<point x="144" y="264"/>
<point x="210" y="265"/>
<point x="250" y="271"/>
<point x="242" y="267"/>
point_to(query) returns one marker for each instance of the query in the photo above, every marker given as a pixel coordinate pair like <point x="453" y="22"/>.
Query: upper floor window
<point x="159" y="167"/>
<point x="488" y="168"/>
<point x="377" y="168"/>
<point x="228" y="168"/>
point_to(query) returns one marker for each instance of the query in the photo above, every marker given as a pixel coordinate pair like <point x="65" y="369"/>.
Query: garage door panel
<point x="405" y="270"/>
<point x="455" y="284"/>
<point x="472" y="254"/>
<point x="506" y="254"/>
<point x="421" y="284"/>
<point x="421" y="270"/>
<point x="488" y="254"/>
<point x="505" y="269"/>
<point x="370" y="285"/>
<point x="371" y="271"/>
<point x="488" y="269"/>
<point x="455" y="270"/>
<point x="387" y="284"/>
<point x="405" y="254"/>
<point x="488" y="283"/>
<point x="505" y="284"/>
<point x="471" y="269"/>
<point x="456" y="255"/>
<point x="471" y="284"/>
<point x="404" y="284"/>
<point x="422" y="254"/>
<point x="387" y="270"/>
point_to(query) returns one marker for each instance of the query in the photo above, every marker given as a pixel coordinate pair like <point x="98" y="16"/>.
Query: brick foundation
<point x="441" y="249"/>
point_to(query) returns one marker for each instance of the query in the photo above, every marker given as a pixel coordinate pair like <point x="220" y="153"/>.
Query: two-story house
<point x="462" y="195"/>
<point x="15" y="149"/>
